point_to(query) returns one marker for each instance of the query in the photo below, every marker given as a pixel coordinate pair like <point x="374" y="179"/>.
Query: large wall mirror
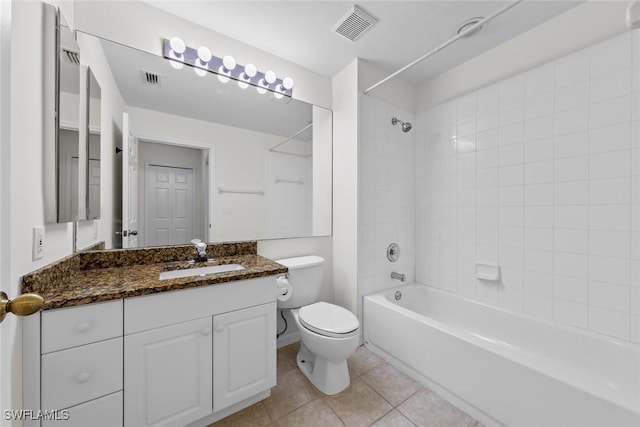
<point x="202" y="157"/>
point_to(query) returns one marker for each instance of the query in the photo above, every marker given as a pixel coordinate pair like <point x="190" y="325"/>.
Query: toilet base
<point x="327" y="376"/>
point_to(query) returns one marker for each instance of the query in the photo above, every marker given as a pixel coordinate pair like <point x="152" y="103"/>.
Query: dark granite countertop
<point x="107" y="275"/>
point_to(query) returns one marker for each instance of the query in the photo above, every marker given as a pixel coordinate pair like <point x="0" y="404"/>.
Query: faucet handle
<point x="195" y="241"/>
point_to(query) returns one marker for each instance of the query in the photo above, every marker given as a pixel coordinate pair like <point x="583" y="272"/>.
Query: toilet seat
<point x="329" y="320"/>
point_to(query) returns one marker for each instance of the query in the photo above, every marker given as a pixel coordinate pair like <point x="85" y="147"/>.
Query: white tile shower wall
<point x="386" y="196"/>
<point x="540" y="174"/>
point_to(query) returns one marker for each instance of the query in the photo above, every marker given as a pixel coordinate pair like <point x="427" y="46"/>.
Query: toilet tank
<point x="305" y="276"/>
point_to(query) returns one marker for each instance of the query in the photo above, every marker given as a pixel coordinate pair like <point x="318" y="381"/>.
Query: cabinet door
<point x="167" y="375"/>
<point x="244" y="354"/>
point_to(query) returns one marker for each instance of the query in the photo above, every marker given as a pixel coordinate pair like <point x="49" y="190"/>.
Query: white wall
<point x="386" y="196"/>
<point x="581" y="26"/>
<point x="540" y="174"/>
<point x="345" y="186"/>
<point x="396" y="91"/>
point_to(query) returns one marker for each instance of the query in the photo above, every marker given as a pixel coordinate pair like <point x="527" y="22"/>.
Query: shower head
<point x="405" y="126"/>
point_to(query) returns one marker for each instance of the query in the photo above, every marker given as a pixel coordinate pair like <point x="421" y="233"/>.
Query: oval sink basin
<point x="200" y="271"/>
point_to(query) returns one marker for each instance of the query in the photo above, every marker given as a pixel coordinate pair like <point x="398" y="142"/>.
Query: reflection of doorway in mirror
<point x="173" y="198"/>
<point x="170" y="191"/>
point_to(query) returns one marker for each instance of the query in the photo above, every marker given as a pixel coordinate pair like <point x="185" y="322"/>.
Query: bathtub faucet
<point x="398" y="276"/>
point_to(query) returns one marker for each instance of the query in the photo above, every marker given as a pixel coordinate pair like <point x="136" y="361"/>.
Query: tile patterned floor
<point x="379" y="395"/>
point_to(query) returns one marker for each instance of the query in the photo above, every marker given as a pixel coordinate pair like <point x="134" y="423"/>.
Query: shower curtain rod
<point x="472" y="28"/>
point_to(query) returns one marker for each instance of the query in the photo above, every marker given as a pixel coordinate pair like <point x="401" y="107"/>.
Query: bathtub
<point x="505" y="368"/>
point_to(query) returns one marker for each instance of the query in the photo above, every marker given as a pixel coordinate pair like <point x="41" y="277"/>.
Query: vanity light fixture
<point x="203" y="61"/>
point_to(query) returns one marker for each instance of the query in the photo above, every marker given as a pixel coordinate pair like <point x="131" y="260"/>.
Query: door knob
<point x="23" y="305"/>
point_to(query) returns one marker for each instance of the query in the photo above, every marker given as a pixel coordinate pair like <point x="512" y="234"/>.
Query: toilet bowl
<point x="329" y="334"/>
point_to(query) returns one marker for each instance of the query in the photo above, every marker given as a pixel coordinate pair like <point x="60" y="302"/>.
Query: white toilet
<point x="329" y="333"/>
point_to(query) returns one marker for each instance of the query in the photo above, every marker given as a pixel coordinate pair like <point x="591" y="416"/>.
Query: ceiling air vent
<point x="70" y="56"/>
<point x="149" y="78"/>
<point x="354" y="24"/>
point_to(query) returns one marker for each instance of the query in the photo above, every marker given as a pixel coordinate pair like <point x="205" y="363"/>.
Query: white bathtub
<point x="502" y="367"/>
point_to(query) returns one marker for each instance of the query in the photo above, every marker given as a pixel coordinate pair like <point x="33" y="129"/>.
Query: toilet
<point x="329" y="333"/>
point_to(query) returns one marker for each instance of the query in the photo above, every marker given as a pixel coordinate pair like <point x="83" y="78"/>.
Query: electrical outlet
<point x="38" y="242"/>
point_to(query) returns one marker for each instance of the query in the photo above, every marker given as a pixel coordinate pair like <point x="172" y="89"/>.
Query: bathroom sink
<point x="200" y="271"/>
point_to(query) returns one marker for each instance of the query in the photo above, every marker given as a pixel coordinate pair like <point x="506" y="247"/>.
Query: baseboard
<point x="290" y="338"/>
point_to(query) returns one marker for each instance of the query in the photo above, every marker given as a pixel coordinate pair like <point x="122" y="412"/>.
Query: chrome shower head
<point x="405" y="126"/>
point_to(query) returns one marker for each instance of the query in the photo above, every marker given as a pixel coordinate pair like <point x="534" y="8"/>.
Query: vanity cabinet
<point x="244" y="354"/>
<point x="178" y="358"/>
<point x="81" y="364"/>
<point x="167" y="375"/>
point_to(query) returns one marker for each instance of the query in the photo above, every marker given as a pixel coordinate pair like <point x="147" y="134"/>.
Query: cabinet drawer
<point x="79" y="374"/>
<point x="71" y="327"/>
<point x="103" y="412"/>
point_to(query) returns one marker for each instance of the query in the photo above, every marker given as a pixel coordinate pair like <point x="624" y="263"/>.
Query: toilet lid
<point x="328" y="319"/>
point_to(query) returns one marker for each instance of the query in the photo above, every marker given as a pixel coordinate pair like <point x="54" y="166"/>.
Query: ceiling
<point x="300" y="31"/>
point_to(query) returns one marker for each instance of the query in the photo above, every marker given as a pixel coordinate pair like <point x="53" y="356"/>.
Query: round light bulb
<point x="270" y="77"/>
<point x="278" y="95"/>
<point x="250" y="70"/>
<point x="204" y="54"/>
<point x="287" y="83"/>
<point x="260" y="90"/>
<point x="223" y="79"/>
<point x="200" y="71"/>
<point x="175" y="64"/>
<point x="177" y="45"/>
<point x="242" y="84"/>
<point x="228" y="62"/>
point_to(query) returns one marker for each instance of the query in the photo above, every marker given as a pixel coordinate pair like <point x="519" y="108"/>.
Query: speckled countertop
<point x="90" y="277"/>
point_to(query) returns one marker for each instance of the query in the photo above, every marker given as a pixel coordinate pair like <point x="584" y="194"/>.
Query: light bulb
<point x="260" y="90"/>
<point x="287" y="83"/>
<point x="242" y="84"/>
<point x="199" y="71"/>
<point x="204" y="54"/>
<point x="223" y="79"/>
<point x="278" y="95"/>
<point x="175" y="64"/>
<point x="250" y="70"/>
<point x="270" y="77"/>
<point x="228" y="62"/>
<point x="177" y="45"/>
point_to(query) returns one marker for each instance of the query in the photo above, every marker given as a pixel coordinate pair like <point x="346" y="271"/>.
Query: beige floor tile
<point x="361" y="361"/>
<point x="391" y="383"/>
<point x="358" y="405"/>
<point x="426" y="408"/>
<point x="292" y="391"/>
<point x="253" y="416"/>
<point x="286" y="358"/>
<point x="314" y="414"/>
<point x="393" y="419"/>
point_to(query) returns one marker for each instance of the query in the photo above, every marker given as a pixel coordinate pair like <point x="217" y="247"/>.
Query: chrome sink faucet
<point x="201" y="251"/>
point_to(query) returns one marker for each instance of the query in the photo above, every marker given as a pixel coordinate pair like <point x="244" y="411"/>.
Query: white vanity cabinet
<point x="180" y="358"/>
<point x="81" y="365"/>
<point x="191" y="355"/>
<point x="168" y="379"/>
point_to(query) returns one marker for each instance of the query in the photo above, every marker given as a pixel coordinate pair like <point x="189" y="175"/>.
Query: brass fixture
<point x="24" y="305"/>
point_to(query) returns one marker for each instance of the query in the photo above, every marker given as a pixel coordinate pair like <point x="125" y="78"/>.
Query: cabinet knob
<point x="83" y="377"/>
<point x="83" y="327"/>
<point x="219" y="327"/>
<point x="206" y="331"/>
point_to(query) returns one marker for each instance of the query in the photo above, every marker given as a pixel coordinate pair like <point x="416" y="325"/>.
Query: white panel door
<point x="167" y="375"/>
<point x="170" y="205"/>
<point x="129" y="185"/>
<point x="244" y="354"/>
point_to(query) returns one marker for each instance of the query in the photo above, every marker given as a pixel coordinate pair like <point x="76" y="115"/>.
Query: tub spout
<point x="398" y="276"/>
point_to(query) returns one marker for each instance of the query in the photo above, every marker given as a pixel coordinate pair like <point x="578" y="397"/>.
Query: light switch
<point x="38" y="242"/>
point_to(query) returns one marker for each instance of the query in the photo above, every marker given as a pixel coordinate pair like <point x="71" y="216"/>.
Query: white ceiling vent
<point x="149" y="78"/>
<point x="354" y="24"/>
<point x="71" y="56"/>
